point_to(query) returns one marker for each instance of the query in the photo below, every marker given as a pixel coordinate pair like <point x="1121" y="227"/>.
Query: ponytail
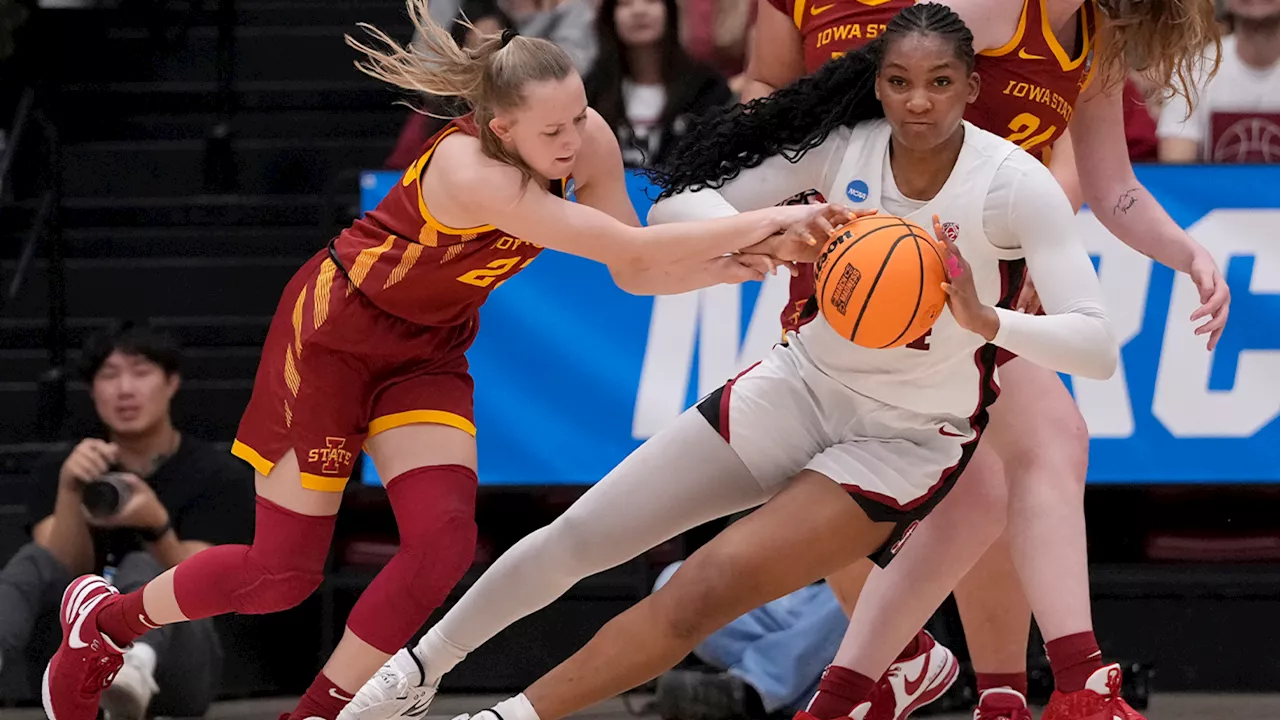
<point x="490" y="78"/>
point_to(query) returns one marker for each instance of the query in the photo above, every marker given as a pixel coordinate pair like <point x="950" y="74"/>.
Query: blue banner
<point x="572" y="374"/>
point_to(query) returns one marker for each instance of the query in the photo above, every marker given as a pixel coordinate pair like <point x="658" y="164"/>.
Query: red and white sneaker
<point x="1002" y="704"/>
<point x="1099" y="700"/>
<point x="87" y="661"/>
<point x="918" y="681"/>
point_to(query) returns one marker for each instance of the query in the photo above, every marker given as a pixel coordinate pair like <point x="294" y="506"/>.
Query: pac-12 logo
<point x="952" y="230"/>
<point x="857" y="191"/>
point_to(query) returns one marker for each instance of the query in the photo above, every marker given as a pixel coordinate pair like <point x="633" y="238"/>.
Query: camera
<point x="105" y="496"/>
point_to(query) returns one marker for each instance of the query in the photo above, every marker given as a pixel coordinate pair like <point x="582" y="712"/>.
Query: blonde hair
<point x="490" y="77"/>
<point x="1170" y="44"/>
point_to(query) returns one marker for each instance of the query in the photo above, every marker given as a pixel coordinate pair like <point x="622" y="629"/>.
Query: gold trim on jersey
<point x="415" y="173"/>
<point x="797" y="13"/>
<point x="413" y="417"/>
<point x="1055" y="46"/>
<point x="1090" y="49"/>
<point x="1016" y="40"/>
<point x="253" y="457"/>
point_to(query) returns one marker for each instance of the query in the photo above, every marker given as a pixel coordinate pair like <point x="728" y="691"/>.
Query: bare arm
<point x="602" y="185"/>
<point x="65" y="534"/>
<point x="1110" y="187"/>
<point x="1062" y="163"/>
<point x="1178" y="150"/>
<point x="476" y="190"/>
<point x="1129" y="211"/>
<point x="777" y="53"/>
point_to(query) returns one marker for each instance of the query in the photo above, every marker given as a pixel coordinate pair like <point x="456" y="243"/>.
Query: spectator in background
<point x="644" y="84"/>
<point x="181" y="496"/>
<point x="483" y="17"/>
<point x="770" y="659"/>
<point x="1237" y="116"/>
<point x="567" y="23"/>
<point x="716" y="32"/>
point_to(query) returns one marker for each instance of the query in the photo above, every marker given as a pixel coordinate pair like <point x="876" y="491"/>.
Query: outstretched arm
<point x="1126" y="209"/>
<point x="476" y="189"/>
<point x="1076" y="335"/>
<point x="602" y="185"/>
<point x="763" y="186"/>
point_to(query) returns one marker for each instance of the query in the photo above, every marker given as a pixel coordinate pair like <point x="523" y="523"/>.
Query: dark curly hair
<point x="725" y="141"/>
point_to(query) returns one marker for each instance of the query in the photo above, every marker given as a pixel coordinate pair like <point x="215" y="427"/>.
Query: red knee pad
<point x="435" y="513"/>
<point x="284" y="565"/>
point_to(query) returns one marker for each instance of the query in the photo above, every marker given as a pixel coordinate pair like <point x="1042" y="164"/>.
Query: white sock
<point x="438" y="656"/>
<point x="516" y="708"/>
<point x="143" y="657"/>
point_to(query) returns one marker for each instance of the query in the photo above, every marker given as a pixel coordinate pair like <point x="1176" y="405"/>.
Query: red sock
<point x="913" y="648"/>
<point x="1013" y="681"/>
<point x="123" y="618"/>
<point x="1073" y="659"/>
<point x="840" y="690"/>
<point x="323" y="700"/>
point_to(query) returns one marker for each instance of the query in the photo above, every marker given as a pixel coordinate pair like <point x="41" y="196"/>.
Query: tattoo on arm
<point x="1127" y="200"/>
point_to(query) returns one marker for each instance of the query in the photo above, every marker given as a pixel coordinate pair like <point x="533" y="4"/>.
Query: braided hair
<point x="724" y="141"/>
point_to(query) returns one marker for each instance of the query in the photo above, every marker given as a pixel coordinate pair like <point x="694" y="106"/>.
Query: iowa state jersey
<point x="831" y="28"/>
<point x="413" y="266"/>
<point x="1031" y="85"/>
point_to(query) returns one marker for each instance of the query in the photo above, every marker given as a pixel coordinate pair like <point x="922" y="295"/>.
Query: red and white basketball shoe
<point x="921" y="679"/>
<point x="87" y="660"/>
<point x="1002" y="704"/>
<point x="1099" y="700"/>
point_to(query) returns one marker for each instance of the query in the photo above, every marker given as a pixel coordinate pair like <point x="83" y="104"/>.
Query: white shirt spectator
<point x="571" y="24"/>
<point x="1236" y="117"/>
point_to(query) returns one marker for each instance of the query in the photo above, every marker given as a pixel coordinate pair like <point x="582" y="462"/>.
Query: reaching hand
<point x="760" y="265"/>
<point x="962" y="295"/>
<point x="90" y="459"/>
<point x="1215" y="297"/>
<point x="806" y="228"/>
<point x="1028" y="299"/>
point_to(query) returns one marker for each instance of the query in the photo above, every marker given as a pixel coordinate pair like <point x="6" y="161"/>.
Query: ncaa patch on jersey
<point x="857" y="191"/>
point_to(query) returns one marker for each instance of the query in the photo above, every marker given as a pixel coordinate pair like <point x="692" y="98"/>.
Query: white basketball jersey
<point x="950" y="371"/>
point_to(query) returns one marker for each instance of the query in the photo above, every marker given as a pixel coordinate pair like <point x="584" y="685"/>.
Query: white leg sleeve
<point x="682" y="477"/>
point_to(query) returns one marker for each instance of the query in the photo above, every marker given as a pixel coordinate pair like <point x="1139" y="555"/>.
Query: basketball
<point x="879" y="281"/>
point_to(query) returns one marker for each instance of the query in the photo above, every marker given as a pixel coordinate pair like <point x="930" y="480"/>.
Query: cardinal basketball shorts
<point x="784" y="415"/>
<point x="336" y="369"/>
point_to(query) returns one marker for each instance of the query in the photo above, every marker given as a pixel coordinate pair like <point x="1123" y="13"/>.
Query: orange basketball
<point x="879" y="281"/>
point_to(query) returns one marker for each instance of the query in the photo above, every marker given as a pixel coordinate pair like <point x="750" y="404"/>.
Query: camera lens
<point x="105" y="496"/>
<point x="100" y="498"/>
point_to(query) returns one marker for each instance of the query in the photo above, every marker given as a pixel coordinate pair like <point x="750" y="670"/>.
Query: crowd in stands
<point x="651" y="65"/>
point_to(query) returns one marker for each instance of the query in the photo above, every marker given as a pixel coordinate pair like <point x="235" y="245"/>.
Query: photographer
<point x="129" y="504"/>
